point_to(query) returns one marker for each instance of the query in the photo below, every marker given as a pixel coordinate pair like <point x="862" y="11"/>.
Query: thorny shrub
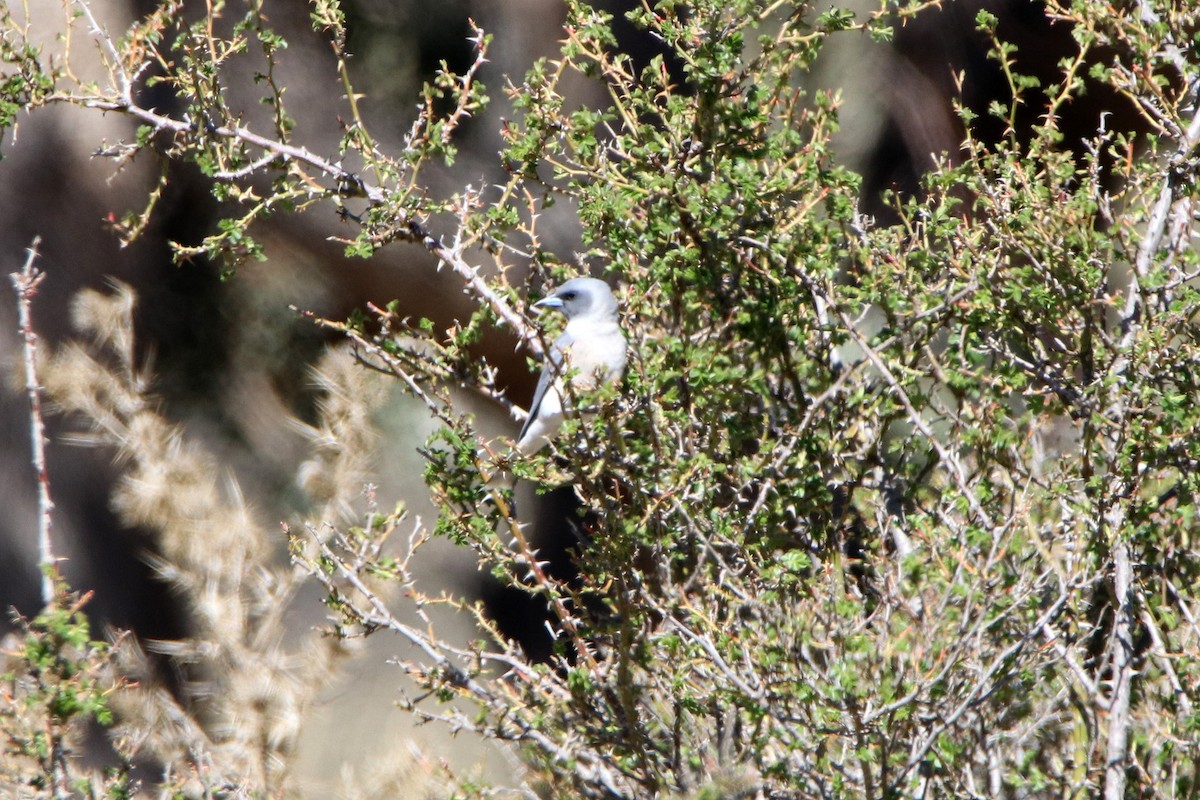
<point x="877" y="511"/>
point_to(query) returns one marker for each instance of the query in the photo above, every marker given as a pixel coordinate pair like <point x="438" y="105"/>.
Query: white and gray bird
<point x="591" y="351"/>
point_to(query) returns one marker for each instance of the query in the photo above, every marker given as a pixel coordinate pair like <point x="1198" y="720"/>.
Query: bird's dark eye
<point x="568" y="295"/>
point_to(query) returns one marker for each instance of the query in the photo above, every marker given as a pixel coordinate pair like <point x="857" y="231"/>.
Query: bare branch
<point x="26" y="284"/>
<point x="1121" y="644"/>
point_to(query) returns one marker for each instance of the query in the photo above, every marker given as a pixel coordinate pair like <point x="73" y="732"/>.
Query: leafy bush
<point x="878" y="511"/>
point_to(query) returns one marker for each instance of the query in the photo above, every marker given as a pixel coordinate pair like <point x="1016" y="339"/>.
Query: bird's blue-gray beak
<point x="549" y="302"/>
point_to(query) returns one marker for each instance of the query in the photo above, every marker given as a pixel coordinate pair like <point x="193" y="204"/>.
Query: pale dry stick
<point x="26" y="284"/>
<point x="248" y="170"/>
<point x="815" y="405"/>
<point x="1118" y="707"/>
<point x="951" y="659"/>
<point x="1163" y="658"/>
<point x="1054" y="638"/>
<point x="108" y="51"/>
<point x="378" y="615"/>
<point x="1154" y="234"/>
<point x="384" y="617"/>
<point x="527" y="555"/>
<point x="1119" y="722"/>
<point x="709" y="550"/>
<point x="422" y="363"/>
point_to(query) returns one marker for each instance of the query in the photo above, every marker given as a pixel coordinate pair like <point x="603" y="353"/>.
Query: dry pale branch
<point x="26" y="284"/>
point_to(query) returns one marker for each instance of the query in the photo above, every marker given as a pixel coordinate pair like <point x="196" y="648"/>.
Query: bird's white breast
<point x="598" y="348"/>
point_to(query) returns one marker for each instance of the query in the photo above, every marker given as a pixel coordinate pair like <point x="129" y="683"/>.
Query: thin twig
<point x="26" y="284"/>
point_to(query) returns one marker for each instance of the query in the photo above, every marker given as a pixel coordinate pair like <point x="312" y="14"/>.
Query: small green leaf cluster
<point x="56" y="684"/>
<point x="27" y="81"/>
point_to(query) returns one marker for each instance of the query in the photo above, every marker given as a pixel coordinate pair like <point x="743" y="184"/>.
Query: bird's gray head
<point x="582" y="298"/>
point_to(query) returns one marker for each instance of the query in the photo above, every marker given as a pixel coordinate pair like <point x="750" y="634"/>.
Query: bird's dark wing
<point x="552" y="367"/>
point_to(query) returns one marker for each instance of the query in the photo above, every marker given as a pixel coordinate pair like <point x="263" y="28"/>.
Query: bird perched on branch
<point x="591" y="352"/>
